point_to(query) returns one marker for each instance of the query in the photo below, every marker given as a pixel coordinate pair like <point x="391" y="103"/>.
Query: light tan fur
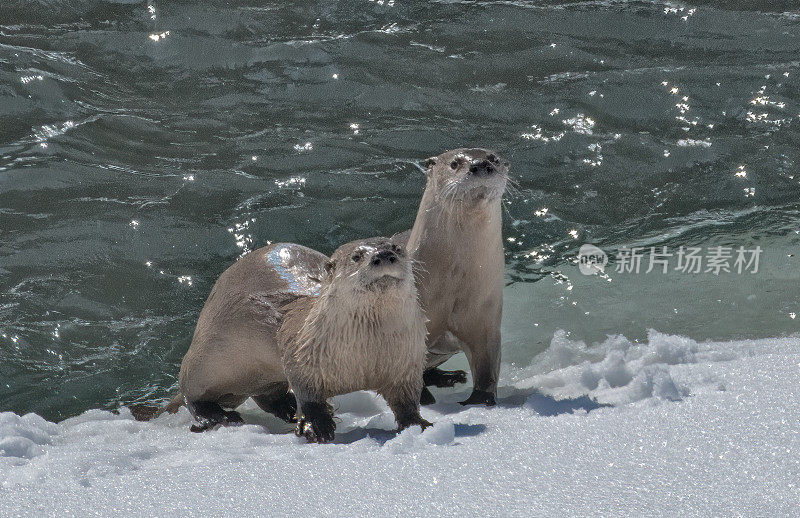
<point x="356" y="339"/>
<point x="457" y="242"/>
<point x="287" y="317"/>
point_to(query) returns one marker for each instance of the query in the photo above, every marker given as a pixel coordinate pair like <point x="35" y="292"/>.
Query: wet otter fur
<point x="286" y="318"/>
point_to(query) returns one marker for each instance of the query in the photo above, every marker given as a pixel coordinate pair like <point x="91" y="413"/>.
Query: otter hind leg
<point x="426" y="397"/>
<point x="482" y="347"/>
<point x="210" y="415"/>
<point x="282" y="405"/>
<point x="485" y="366"/>
<point x="436" y="377"/>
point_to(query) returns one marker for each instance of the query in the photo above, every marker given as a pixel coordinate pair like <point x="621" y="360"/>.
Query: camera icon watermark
<point x="592" y="260"/>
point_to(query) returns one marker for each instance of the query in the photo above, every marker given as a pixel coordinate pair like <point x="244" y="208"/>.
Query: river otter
<point x="457" y="242"/>
<point x="285" y="317"/>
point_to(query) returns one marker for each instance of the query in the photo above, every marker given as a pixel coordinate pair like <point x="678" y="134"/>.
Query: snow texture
<point x="662" y="428"/>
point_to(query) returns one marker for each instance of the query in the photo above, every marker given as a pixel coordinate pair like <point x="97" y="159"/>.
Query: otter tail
<point x="146" y="412"/>
<point x="175" y="404"/>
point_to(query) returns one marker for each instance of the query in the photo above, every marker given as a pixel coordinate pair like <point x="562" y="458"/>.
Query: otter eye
<point x="396" y="248"/>
<point x="356" y="258"/>
<point x="454" y="164"/>
<point x="492" y="158"/>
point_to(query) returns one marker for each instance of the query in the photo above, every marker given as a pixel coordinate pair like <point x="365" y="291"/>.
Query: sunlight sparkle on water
<point x="295" y="181"/>
<point x="243" y="239"/>
<point x="27" y="79"/>
<point x="158" y="36"/>
<point x="538" y="134"/>
<point x="580" y="124"/>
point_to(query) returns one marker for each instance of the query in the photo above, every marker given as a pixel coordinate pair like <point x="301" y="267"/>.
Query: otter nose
<point x="481" y="167"/>
<point x="383" y="256"/>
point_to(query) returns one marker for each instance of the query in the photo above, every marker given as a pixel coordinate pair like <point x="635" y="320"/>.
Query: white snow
<point x="666" y="427"/>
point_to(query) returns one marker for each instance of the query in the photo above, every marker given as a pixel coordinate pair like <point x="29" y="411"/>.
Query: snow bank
<point x="670" y="426"/>
<point x="23" y="437"/>
<point x="616" y="371"/>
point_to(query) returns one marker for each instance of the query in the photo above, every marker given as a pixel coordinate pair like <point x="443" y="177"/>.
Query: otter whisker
<point x="507" y="210"/>
<point x="512" y="186"/>
<point x="416" y="269"/>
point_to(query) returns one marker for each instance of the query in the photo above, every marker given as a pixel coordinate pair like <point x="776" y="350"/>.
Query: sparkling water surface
<point x="145" y="145"/>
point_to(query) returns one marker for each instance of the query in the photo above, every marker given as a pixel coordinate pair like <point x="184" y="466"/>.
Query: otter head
<point x="468" y="175"/>
<point x="370" y="265"/>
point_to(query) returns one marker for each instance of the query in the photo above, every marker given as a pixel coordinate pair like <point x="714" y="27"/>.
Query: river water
<point x="145" y="145"/>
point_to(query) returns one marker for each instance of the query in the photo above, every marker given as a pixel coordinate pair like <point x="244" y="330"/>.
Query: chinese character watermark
<point x="715" y="260"/>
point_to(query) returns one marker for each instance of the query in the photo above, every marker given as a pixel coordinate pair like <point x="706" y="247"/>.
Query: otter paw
<point x="319" y="430"/>
<point x="316" y="423"/>
<point x="284" y="408"/>
<point x="210" y="416"/>
<point x="426" y="398"/>
<point x="480" y="397"/>
<point x="436" y="377"/>
<point x="413" y="420"/>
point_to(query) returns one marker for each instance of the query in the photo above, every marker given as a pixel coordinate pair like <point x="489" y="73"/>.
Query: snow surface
<point x="667" y="427"/>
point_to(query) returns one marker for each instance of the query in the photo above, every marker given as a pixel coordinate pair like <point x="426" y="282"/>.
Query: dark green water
<point x="144" y="145"/>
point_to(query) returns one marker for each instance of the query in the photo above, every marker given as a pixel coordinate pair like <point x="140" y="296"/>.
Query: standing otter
<point x="457" y="242"/>
<point x="285" y="317"/>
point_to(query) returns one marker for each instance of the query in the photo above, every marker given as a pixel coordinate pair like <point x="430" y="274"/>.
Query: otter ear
<point x="329" y="267"/>
<point x="429" y="162"/>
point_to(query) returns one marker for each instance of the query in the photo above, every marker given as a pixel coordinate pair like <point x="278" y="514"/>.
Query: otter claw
<point x="416" y="420"/>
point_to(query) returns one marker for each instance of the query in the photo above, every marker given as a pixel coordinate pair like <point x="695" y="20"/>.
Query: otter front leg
<point x="404" y="402"/>
<point x="316" y="422"/>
